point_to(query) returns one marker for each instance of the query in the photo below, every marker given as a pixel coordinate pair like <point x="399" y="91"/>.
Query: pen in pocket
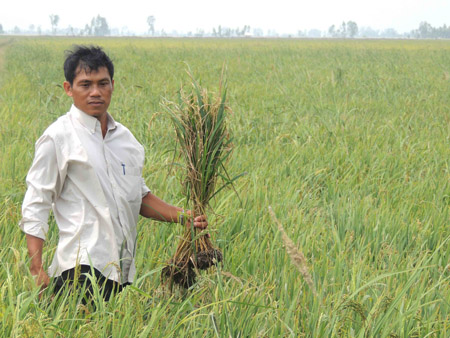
<point x="123" y="167"/>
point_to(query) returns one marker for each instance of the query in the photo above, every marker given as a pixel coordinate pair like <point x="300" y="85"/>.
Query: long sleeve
<point x="43" y="181"/>
<point x="144" y="189"/>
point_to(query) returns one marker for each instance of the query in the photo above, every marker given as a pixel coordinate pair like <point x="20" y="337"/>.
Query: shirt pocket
<point x="129" y="179"/>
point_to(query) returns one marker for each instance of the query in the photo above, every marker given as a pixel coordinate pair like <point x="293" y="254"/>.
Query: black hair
<point x="88" y="58"/>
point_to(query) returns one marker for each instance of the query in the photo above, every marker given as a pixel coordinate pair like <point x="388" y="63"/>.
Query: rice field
<point x="347" y="141"/>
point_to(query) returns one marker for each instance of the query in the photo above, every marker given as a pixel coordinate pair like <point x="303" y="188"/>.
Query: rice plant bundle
<point x="199" y="120"/>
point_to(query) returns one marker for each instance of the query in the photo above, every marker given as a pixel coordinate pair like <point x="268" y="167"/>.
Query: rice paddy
<point x="348" y="142"/>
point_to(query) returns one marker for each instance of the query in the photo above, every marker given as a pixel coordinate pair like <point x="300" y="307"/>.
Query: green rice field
<point x="348" y="141"/>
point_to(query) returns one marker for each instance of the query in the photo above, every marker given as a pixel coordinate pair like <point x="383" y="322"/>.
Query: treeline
<point x="347" y="30"/>
<point x="97" y="27"/>
<point x="350" y="29"/>
<point x="426" y="31"/>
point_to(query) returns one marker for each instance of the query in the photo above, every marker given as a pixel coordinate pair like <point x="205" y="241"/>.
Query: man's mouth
<point x="95" y="103"/>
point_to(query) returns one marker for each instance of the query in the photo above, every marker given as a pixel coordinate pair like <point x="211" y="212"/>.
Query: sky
<point x="284" y="16"/>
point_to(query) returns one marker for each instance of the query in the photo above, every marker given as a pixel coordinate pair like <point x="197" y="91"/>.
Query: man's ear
<point x="112" y="81"/>
<point x="67" y="88"/>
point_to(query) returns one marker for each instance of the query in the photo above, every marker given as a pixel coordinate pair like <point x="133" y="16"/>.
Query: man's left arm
<point x="155" y="208"/>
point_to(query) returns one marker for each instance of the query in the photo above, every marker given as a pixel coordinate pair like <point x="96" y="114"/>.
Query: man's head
<point x="89" y="80"/>
<point x="88" y="59"/>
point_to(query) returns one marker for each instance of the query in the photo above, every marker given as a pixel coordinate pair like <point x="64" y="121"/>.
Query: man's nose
<point x="95" y="91"/>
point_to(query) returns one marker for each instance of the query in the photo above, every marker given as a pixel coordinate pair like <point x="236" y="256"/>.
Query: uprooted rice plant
<point x="199" y="119"/>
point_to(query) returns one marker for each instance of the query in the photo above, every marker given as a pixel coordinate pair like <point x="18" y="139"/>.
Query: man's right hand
<point x="40" y="277"/>
<point x="35" y="245"/>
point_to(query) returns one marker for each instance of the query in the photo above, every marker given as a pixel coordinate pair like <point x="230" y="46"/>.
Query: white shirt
<point x="95" y="188"/>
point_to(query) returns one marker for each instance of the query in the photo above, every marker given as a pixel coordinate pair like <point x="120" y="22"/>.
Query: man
<point x="88" y="168"/>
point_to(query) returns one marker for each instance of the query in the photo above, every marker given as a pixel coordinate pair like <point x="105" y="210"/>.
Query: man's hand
<point x="154" y="207"/>
<point x="40" y="276"/>
<point x="35" y="245"/>
<point x="200" y="222"/>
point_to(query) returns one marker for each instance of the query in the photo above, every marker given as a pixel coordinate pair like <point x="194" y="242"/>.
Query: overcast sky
<point x="284" y="16"/>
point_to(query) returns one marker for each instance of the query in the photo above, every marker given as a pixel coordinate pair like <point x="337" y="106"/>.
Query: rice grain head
<point x="297" y="258"/>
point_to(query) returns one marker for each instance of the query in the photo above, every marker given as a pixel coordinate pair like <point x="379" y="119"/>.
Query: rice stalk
<point x="297" y="258"/>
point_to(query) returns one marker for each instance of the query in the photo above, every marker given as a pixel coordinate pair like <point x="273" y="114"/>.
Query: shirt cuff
<point x="144" y="189"/>
<point x="34" y="228"/>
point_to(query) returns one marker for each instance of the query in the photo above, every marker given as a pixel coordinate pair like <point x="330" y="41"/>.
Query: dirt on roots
<point x="183" y="273"/>
<point x="206" y="259"/>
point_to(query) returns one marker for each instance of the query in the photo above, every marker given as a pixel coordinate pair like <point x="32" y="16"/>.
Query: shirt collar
<point x="90" y="122"/>
<point x="111" y="123"/>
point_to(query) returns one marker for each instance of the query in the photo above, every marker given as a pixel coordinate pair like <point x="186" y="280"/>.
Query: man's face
<point x="91" y="91"/>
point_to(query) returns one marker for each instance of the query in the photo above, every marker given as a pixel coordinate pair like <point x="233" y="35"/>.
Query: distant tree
<point x="54" y="19"/>
<point x="243" y="31"/>
<point x="225" y="31"/>
<point x="151" y="24"/>
<point x="70" y="31"/>
<point x="332" y="31"/>
<point x="246" y="30"/>
<point x="342" y="31"/>
<point x="443" y="32"/>
<point x="16" y="30"/>
<point x="217" y="32"/>
<point x="39" y="30"/>
<point x="345" y="30"/>
<point x="352" y="29"/>
<point x="1" y="29"/>
<point x="87" y="30"/>
<point x="426" y="31"/>
<point x="99" y="26"/>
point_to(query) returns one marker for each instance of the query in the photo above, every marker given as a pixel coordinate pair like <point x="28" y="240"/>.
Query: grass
<point x="347" y="141"/>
